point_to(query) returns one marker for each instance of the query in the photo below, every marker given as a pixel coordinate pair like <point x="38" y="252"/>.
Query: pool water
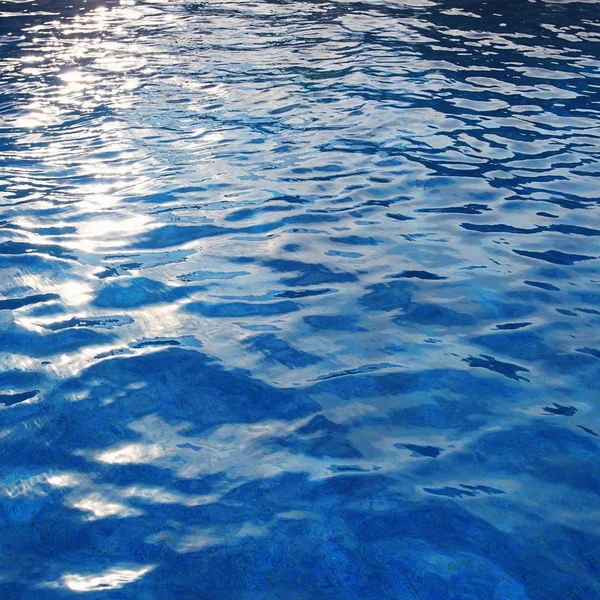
<point x="300" y="300"/>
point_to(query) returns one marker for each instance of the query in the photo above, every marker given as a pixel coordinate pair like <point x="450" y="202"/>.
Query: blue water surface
<point x="299" y="300"/>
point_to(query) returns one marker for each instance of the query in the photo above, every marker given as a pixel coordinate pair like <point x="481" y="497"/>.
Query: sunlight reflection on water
<point x="299" y="299"/>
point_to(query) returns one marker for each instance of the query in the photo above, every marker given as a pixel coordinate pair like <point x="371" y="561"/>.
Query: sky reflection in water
<point x="299" y="299"/>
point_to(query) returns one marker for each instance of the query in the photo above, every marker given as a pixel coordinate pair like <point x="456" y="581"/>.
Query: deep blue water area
<point x="299" y="300"/>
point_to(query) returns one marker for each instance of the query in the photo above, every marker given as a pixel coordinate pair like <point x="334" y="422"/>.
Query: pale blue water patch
<point x="299" y="300"/>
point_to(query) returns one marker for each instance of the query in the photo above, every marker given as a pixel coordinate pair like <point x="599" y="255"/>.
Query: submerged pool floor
<point x="299" y="300"/>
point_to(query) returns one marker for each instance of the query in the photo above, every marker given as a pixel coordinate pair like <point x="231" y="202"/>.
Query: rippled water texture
<point x="299" y="300"/>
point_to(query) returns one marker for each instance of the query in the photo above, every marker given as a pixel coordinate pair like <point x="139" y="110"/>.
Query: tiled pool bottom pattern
<point x="299" y="300"/>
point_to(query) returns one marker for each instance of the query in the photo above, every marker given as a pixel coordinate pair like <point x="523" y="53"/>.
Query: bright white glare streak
<point x="109" y="580"/>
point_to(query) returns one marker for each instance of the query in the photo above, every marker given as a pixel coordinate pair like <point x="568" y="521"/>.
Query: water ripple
<point x="299" y="299"/>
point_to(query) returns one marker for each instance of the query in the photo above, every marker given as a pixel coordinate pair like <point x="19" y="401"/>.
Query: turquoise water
<point x="299" y="300"/>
